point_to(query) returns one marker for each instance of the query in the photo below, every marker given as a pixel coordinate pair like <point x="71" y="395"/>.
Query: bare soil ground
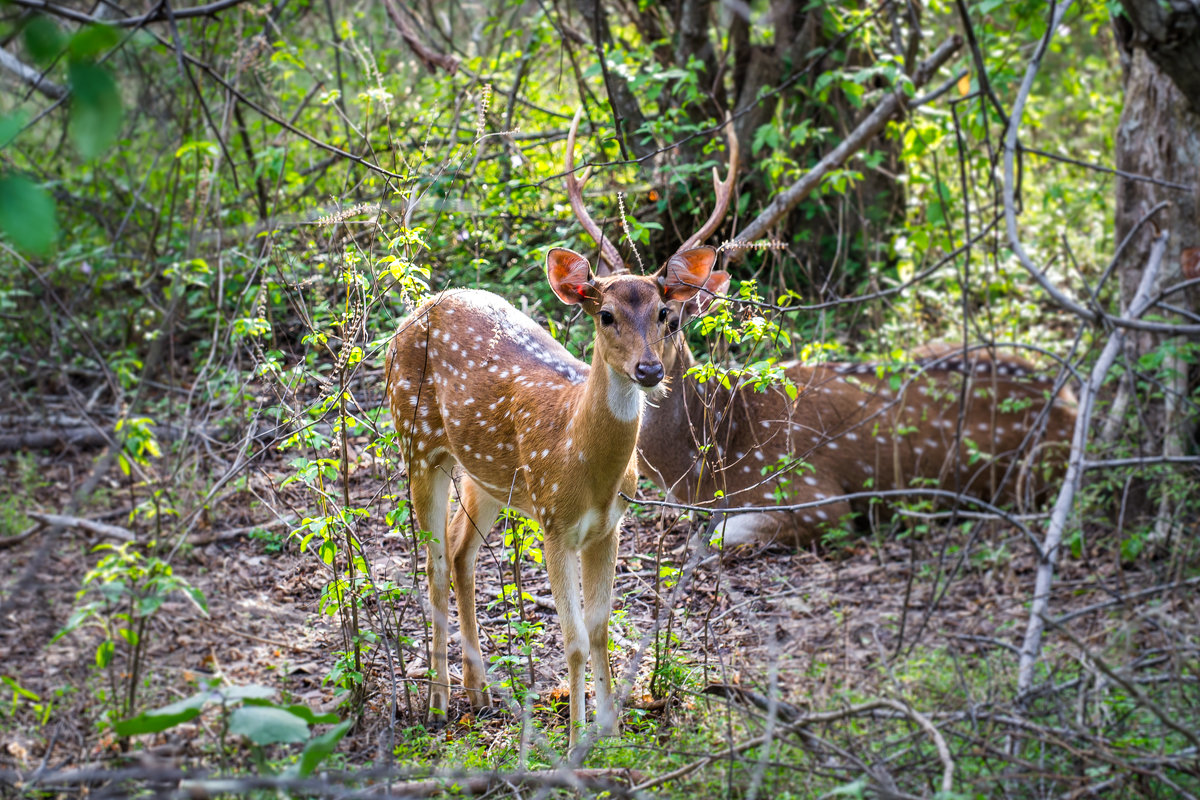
<point x="822" y="624"/>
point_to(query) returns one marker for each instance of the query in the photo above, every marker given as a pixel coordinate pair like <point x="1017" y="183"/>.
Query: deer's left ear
<point x="685" y="273"/>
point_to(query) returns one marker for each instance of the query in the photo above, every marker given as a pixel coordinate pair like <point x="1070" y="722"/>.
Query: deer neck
<point x="604" y="421"/>
<point x="607" y="398"/>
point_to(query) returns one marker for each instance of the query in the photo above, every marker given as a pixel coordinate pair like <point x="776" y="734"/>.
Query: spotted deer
<point x="951" y="423"/>
<point x="942" y="421"/>
<point x="473" y="384"/>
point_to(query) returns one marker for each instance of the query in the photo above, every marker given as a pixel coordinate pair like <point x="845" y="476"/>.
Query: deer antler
<point x="722" y="189"/>
<point x="609" y="255"/>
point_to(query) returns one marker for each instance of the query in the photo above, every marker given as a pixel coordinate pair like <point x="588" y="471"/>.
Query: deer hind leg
<point x="599" y="564"/>
<point x="562" y="566"/>
<point x="430" y="495"/>
<point x="476" y="514"/>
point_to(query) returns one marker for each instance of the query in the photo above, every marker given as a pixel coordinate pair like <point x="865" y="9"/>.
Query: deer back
<point x="938" y="422"/>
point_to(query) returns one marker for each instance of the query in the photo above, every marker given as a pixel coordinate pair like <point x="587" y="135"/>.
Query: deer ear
<point x="716" y="286"/>
<point x="685" y="273"/>
<point x="570" y="276"/>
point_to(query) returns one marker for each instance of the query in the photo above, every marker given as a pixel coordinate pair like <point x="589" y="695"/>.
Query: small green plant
<point x="23" y="480"/>
<point x="123" y="592"/>
<point x="670" y="671"/>
<point x="272" y="541"/>
<point x="781" y="474"/>
<point x="249" y="713"/>
<point x="22" y="695"/>
<point x="523" y="539"/>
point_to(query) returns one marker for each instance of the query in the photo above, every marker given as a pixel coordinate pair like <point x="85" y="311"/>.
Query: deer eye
<point x="662" y="314"/>
<point x="606" y="318"/>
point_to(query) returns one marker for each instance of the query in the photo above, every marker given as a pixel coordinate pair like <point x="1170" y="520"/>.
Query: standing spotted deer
<point x="476" y="385"/>
<point x="968" y="425"/>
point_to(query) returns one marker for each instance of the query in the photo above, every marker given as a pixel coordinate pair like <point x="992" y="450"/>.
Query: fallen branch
<point x="101" y="529"/>
<point x="27" y="74"/>
<point x="87" y="436"/>
<point x="598" y="779"/>
<point x="40" y="440"/>
<point x="13" y="541"/>
<point x="234" y="533"/>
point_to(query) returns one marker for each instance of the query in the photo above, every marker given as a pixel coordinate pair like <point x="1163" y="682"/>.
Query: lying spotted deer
<point x="952" y="424"/>
<point x="475" y="384"/>
<point x="960" y="425"/>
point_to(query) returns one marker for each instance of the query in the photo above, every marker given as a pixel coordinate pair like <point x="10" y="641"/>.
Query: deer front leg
<point x="562" y="565"/>
<point x="474" y="519"/>
<point x="599" y="565"/>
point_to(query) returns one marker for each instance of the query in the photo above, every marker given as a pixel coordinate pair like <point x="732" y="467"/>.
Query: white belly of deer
<point x="747" y="529"/>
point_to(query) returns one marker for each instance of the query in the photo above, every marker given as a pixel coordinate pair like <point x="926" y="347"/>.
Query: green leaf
<point x="318" y="750"/>
<point x="310" y="716"/>
<point x="202" y="148"/>
<point x="96" y="113"/>
<point x="27" y="215"/>
<point x="147" y="606"/>
<point x="76" y="619"/>
<point x="10" y="126"/>
<point x="267" y="724"/>
<point x="169" y="716"/>
<point x="92" y="41"/>
<point x="17" y="688"/>
<point x="104" y="653"/>
<point x="43" y="40"/>
<point x="197" y="597"/>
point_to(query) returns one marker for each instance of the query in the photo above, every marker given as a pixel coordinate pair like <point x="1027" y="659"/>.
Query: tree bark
<point x="1158" y="136"/>
<point x="1169" y="33"/>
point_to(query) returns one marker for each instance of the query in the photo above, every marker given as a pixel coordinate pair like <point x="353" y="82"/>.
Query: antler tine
<point x="610" y="257"/>
<point x="722" y="189"/>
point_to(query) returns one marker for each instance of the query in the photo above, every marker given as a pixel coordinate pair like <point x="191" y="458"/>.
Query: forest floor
<point x="873" y="616"/>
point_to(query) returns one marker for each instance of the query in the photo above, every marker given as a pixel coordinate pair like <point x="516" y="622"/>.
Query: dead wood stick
<point x="251" y="637"/>
<point x="13" y="541"/>
<point x="34" y="77"/>
<point x="39" y="440"/>
<point x="233" y="533"/>
<point x="552" y="778"/>
<point x="1039" y="607"/>
<point x="875" y="122"/>
<point x="85" y="436"/>
<point x="428" y="55"/>
<point x="101" y="529"/>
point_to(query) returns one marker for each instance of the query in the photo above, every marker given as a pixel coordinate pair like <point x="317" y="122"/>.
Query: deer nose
<point x="648" y="373"/>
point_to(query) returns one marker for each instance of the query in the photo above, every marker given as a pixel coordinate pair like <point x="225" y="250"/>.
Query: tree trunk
<point x="1159" y="137"/>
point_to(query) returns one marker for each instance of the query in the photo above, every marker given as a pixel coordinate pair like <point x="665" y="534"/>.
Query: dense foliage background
<point x="213" y="217"/>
